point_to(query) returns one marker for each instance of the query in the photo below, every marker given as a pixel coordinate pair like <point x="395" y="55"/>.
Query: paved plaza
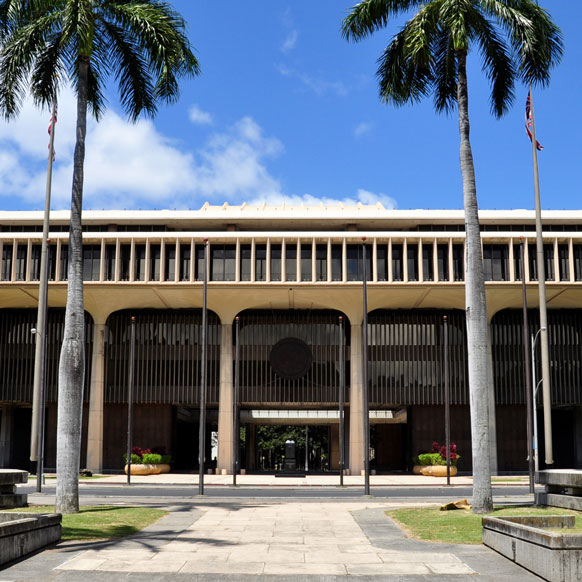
<point x="290" y="538"/>
<point x="283" y="540"/>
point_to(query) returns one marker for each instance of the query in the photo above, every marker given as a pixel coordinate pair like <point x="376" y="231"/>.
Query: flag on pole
<point x="529" y="122"/>
<point x="52" y="123"/>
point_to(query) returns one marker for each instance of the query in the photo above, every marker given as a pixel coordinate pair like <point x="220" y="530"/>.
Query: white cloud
<point x="364" y="196"/>
<point x="363" y="128"/>
<point x="131" y="165"/>
<point x="135" y="165"/>
<point x="199" y="116"/>
<point x="290" y="41"/>
<point x="319" y="86"/>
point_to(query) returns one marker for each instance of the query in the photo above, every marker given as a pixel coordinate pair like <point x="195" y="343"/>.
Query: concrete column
<point x="356" y="458"/>
<point x="5" y="436"/>
<point x="492" y="421"/>
<point x="225" y="401"/>
<point x="96" y="401"/>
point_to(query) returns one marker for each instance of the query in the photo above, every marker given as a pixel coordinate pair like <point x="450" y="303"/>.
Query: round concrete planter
<point x="437" y="470"/>
<point x="139" y="469"/>
<point x="148" y="469"/>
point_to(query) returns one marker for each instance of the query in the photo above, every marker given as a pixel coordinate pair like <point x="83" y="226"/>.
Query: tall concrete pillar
<point x="96" y="401"/>
<point x="356" y="455"/>
<point x="492" y="422"/>
<point x="226" y="401"/>
<point x="5" y="436"/>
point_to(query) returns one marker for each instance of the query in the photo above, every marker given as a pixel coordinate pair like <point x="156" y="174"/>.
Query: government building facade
<point x="288" y="280"/>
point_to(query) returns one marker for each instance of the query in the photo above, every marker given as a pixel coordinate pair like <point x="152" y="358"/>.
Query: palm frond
<point x="444" y="72"/>
<point x="371" y="15"/>
<point x="405" y="69"/>
<point x="401" y="78"/>
<point x="159" y="31"/>
<point x="535" y="38"/>
<point x="17" y="58"/>
<point x="497" y="64"/>
<point x="95" y="90"/>
<point x="47" y="72"/>
<point x="136" y="86"/>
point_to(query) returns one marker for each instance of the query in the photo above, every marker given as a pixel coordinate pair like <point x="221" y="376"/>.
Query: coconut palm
<point x="517" y="40"/>
<point x="142" y="44"/>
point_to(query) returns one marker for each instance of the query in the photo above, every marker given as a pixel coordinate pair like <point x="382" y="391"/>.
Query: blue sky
<point x="285" y="109"/>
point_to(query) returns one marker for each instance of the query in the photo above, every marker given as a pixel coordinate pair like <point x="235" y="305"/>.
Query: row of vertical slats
<point x="406" y="357"/>
<point x="168" y="354"/>
<point x="260" y="331"/>
<point x="17" y="353"/>
<point x="564" y="335"/>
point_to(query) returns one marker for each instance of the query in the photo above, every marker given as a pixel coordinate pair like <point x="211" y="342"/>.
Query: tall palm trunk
<point x="72" y="360"/>
<point x="476" y="308"/>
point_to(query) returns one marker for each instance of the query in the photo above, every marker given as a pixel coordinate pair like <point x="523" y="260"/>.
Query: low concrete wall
<point x="556" y="557"/>
<point x="8" y="480"/>
<point x="24" y="533"/>
<point x="563" y="488"/>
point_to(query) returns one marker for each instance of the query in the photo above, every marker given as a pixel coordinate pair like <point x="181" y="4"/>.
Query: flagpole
<point x="546" y="380"/>
<point x="202" y="427"/>
<point x="528" y="383"/>
<point x="366" y="407"/>
<point x="39" y="382"/>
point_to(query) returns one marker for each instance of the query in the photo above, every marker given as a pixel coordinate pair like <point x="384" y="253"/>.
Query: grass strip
<point x="461" y="526"/>
<point x="102" y="522"/>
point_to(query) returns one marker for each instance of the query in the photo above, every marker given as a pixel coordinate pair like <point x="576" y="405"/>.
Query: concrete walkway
<point x="270" y="480"/>
<point x="282" y="541"/>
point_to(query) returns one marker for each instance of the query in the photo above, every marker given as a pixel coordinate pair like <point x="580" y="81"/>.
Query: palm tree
<point x="143" y="45"/>
<point x="517" y="40"/>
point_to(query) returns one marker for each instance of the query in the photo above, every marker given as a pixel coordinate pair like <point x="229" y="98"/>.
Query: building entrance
<point x="313" y="450"/>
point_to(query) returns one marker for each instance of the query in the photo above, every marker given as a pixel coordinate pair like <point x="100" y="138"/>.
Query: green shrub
<point x="135" y="459"/>
<point x="426" y="459"/>
<point x="151" y="459"/>
<point x="167" y="459"/>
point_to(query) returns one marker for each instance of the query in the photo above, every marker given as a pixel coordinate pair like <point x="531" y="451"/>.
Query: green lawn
<point x="461" y="526"/>
<point x="102" y="522"/>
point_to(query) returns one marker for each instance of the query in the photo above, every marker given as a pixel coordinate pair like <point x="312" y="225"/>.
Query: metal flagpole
<point x="447" y="400"/>
<point x="39" y="385"/>
<point x="202" y="432"/>
<point x="342" y="381"/>
<point x="235" y="418"/>
<point x="130" y="399"/>
<point x="366" y="406"/>
<point x="546" y="386"/>
<point x="527" y="363"/>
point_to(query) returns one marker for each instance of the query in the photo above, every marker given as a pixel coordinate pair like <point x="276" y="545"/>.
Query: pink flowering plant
<point x="438" y="455"/>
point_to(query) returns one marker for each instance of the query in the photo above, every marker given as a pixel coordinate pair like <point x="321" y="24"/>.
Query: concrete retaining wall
<point x="24" y="533"/>
<point x="556" y="557"/>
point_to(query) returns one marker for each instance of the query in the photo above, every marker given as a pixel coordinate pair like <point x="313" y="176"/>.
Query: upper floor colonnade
<point x="292" y="270"/>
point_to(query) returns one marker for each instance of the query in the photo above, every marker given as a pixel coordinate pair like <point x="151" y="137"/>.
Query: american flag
<point x="529" y="122"/>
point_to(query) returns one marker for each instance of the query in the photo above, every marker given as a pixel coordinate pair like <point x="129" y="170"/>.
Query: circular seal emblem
<point x="291" y="358"/>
